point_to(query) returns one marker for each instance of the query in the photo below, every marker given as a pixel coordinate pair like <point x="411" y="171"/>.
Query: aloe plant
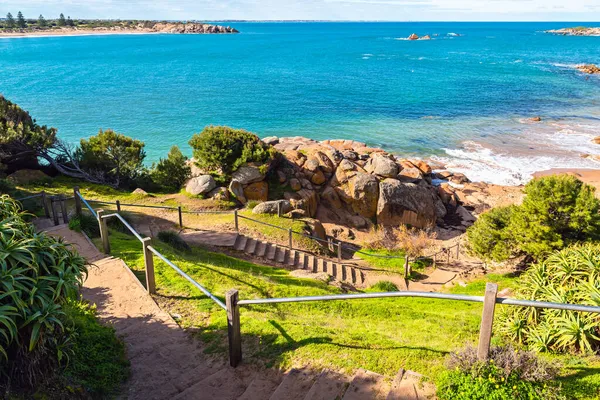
<point x="38" y="273"/>
<point x="571" y="275"/>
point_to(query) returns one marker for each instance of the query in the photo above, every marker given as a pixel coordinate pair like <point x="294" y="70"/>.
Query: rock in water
<point x="200" y="185"/>
<point x="413" y="36"/>
<point x="589" y="69"/>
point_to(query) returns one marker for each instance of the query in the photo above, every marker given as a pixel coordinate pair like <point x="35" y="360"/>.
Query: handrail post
<point x="53" y="201"/>
<point x="233" y="327"/>
<point x="487" y="320"/>
<point x="279" y="209"/>
<point x="406" y="267"/>
<point x="237" y="225"/>
<point x="103" y="232"/>
<point x="77" y="201"/>
<point x="339" y="251"/>
<point x="118" y="204"/>
<point x="290" y="233"/>
<point x="149" y="266"/>
<point x="63" y="207"/>
<point x="457" y="250"/>
<point x="180" y="216"/>
<point x="45" y="204"/>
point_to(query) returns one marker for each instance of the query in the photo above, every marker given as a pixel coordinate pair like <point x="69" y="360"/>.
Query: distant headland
<point x="576" y="31"/>
<point x="20" y="26"/>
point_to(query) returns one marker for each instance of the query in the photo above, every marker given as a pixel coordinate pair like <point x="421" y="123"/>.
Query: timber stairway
<point x="298" y="259"/>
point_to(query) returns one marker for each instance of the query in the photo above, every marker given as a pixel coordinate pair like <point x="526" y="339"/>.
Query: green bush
<point x="508" y="375"/>
<point x="98" y="362"/>
<point x="174" y="240"/>
<point x="489" y="236"/>
<point x="384" y="286"/>
<point x="115" y="157"/>
<point x="171" y="172"/>
<point x="557" y="211"/>
<point x="39" y="273"/>
<point x="85" y="223"/>
<point x="6" y="187"/>
<point x="568" y="276"/>
<point x="222" y="149"/>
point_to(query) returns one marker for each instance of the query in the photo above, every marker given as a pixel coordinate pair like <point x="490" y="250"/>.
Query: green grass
<point x="381" y="335"/>
<point x="477" y="287"/>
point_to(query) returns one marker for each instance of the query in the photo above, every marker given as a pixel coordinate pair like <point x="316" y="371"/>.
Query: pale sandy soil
<point x="589" y="176"/>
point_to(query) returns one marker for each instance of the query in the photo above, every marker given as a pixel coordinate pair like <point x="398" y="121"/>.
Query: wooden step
<point x="224" y="384"/>
<point x="344" y="272"/>
<point x="302" y="261"/>
<point x="367" y="385"/>
<point x="251" y="246"/>
<point x="261" y="386"/>
<point x="282" y="254"/>
<point x="403" y="388"/>
<point x="240" y="243"/>
<point x="292" y="255"/>
<point x="294" y="386"/>
<point x="271" y="251"/>
<point x="353" y="274"/>
<point x="334" y="270"/>
<point x="313" y="263"/>
<point x="321" y="265"/>
<point x="329" y="385"/>
<point x="261" y="249"/>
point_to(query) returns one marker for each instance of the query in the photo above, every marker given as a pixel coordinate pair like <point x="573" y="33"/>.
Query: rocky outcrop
<point x="589" y="69"/>
<point x="577" y="31"/>
<point x="258" y="191"/>
<point x="413" y="36"/>
<point x="167" y="27"/>
<point x="408" y="204"/>
<point x="25" y="176"/>
<point x="200" y="185"/>
<point x="247" y="174"/>
<point x="272" y="207"/>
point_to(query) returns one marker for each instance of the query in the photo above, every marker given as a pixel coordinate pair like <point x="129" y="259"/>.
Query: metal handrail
<point x="94" y="213"/>
<point x="133" y="231"/>
<point x="190" y="279"/>
<point x="431" y="295"/>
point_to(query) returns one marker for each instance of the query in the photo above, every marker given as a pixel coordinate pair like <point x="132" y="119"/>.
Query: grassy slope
<point x="380" y="335"/>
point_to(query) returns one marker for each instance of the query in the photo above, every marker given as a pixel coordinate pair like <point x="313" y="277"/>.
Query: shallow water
<point x="462" y="99"/>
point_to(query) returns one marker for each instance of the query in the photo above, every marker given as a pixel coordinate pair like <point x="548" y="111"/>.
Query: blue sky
<point x="395" y="10"/>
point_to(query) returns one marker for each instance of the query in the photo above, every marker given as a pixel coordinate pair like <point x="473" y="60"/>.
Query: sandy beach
<point x="589" y="176"/>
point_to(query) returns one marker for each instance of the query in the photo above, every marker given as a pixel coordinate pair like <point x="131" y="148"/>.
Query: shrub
<point x="508" y="374"/>
<point x="115" y="157"/>
<point x="85" y="223"/>
<point x="174" y="240"/>
<point x="98" y="362"/>
<point x="6" y="187"/>
<point x="172" y="172"/>
<point x="39" y="273"/>
<point x="411" y="241"/>
<point x="384" y="286"/>
<point x="557" y="211"/>
<point x="222" y="149"/>
<point x="489" y="237"/>
<point x="115" y="224"/>
<point x="568" y="276"/>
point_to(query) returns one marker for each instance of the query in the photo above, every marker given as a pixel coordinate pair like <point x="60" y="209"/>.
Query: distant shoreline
<point x="87" y="32"/>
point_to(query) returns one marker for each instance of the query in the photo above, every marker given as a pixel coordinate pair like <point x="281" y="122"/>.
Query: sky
<point x="388" y="10"/>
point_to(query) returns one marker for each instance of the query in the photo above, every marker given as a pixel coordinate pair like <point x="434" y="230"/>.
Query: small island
<point x="576" y="31"/>
<point x="21" y="26"/>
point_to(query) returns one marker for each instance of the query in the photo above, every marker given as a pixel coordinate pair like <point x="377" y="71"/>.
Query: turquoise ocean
<point x="463" y="97"/>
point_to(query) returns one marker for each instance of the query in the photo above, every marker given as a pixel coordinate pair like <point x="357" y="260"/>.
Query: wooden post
<point x="233" y="327"/>
<point x="63" y="207"/>
<point x="45" y="204"/>
<point x="149" y="266"/>
<point x="237" y="225"/>
<point x="77" y="201"/>
<point x="457" y="250"/>
<point x="434" y="260"/>
<point x="180" y="216"/>
<point x="279" y="209"/>
<point x="447" y="256"/>
<point x="103" y="232"/>
<point x="118" y="203"/>
<point x="487" y="320"/>
<point x="53" y="201"/>
<point x="290" y="232"/>
<point x="339" y="252"/>
<point x="406" y="267"/>
<point x="329" y="243"/>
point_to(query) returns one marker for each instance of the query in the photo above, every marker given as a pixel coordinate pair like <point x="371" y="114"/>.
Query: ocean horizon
<point x="464" y="98"/>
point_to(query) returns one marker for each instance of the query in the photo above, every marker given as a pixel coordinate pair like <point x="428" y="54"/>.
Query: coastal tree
<point x="21" y="23"/>
<point x="171" y="172"/>
<point x="61" y="20"/>
<point x="115" y="158"/>
<point x="42" y="21"/>
<point x="223" y="149"/>
<point x="10" y="21"/>
<point x="70" y="22"/>
<point x="556" y="212"/>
